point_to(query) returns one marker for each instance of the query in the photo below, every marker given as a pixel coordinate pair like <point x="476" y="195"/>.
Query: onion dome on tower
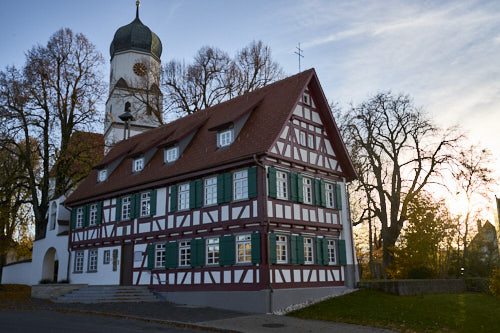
<point x="136" y="36"/>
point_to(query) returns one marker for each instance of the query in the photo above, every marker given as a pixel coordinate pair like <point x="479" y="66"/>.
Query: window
<point x="212" y="251"/>
<point x="160" y="255"/>
<point x="93" y="214"/>
<point x="240" y="185"/>
<point x="281" y="249"/>
<point x="145" y="204"/>
<point x="331" y="252"/>
<point x="302" y="138"/>
<point x="225" y="138"/>
<point x="53" y="215"/>
<point x="184" y="253"/>
<point x="106" y="259"/>
<point x="138" y="164"/>
<point x="102" y="175"/>
<point x="210" y="191"/>
<point x="244" y="249"/>
<point x="78" y="261"/>
<point x="171" y="154"/>
<point x="92" y="260"/>
<point x="330" y="195"/>
<point x="308" y="251"/>
<point x="310" y="141"/>
<point x="183" y="200"/>
<point x="125" y="209"/>
<point x="307" y="188"/>
<point x="79" y="218"/>
<point x="282" y="185"/>
<point x="306" y="99"/>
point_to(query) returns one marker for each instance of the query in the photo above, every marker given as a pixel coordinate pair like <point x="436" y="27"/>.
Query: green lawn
<point x="467" y="312"/>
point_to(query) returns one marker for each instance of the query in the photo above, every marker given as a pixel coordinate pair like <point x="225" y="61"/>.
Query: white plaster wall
<point x="104" y="274"/>
<point x="17" y="273"/>
<point x="122" y="64"/>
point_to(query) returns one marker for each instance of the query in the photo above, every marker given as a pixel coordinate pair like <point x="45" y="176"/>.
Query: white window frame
<point x="310" y="141"/>
<point x="92" y="262"/>
<point x="282" y="185"/>
<point x="307" y="187"/>
<point x="160" y="255"/>
<point x="281" y="249"/>
<point x="330" y="195"/>
<point x="106" y="257"/>
<point x="332" y="251"/>
<point x="125" y="208"/>
<point x="244" y="244"/>
<point x="184" y="253"/>
<point x="240" y="185"/>
<point x="225" y="138"/>
<point x="212" y="249"/>
<point x="303" y="141"/>
<point x="103" y="174"/>
<point x="145" y="204"/>
<point x="171" y="154"/>
<point x="79" y="218"/>
<point x="93" y="215"/>
<point x="183" y="197"/>
<point x="79" y="261"/>
<point x="138" y="164"/>
<point x="308" y="250"/>
<point x="210" y="191"/>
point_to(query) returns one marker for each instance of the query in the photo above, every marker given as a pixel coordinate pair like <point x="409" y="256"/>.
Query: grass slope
<point x="465" y="312"/>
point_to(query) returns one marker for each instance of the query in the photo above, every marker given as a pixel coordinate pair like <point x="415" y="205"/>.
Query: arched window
<point x="53" y="215"/>
<point x="127" y="107"/>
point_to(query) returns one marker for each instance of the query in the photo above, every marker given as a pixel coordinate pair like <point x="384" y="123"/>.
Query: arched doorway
<point x="50" y="265"/>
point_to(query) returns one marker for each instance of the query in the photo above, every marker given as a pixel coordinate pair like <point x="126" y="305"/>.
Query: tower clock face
<point x="140" y="69"/>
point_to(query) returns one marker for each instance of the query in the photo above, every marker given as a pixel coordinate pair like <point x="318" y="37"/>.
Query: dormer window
<point x="103" y="174"/>
<point x="225" y="138"/>
<point x="171" y="154"/>
<point x="138" y="164"/>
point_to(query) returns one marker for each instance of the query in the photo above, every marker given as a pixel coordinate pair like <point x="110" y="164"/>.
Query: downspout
<point x="264" y="190"/>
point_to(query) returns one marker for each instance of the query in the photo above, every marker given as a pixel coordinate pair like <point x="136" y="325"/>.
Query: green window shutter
<point x="300" y="250"/>
<point x="192" y="194"/>
<point x="132" y="206"/>
<point x="342" y="252"/>
<point x="272" y="248"/>
<point x="255" y="248"/>
<point x="197" y="253"/>
<point x="151" y="256"/>
<point x="272" y="182"/>
<point x="293" y="250"/>
<point x="173" y="198"/>
<point x="199" y="193"/>
<point x="323" y="193"/>
<point x="317" y="192"/>
<point x="73" y="218"/>
<point x="324" y="246"/>
<point x="99" y="213"/>
<point x="220" y="188"/>
<point x="86" y="215"/>
<point x="152" y="202"/>
<point x="300" y="188"/>
<point x="228" y="187"/>
<point x="319" y="251"/>
<point x="338" y="198"/>
<point x="226" y="250"/>
<point x="252" y="182"/>
<point x="201" y="252"/>
<point x="118" y="209"/>
<point x="293" y="187"/>
<point x="137" y="205"/>
<point x="171" y="255"/>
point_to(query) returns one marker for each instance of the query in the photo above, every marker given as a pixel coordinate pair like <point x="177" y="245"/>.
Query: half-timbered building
<point x="242" y="205"/>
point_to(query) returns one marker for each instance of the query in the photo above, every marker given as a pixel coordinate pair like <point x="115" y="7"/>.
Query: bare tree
<point x="41" y="105"/>
<point x="214" y="77"/>
<point x="398" y="151"/>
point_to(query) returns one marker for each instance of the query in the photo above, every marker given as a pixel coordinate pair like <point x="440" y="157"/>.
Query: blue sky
<point x="446" y="54"/>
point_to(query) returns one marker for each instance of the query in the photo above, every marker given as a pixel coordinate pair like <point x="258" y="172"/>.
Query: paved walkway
<point x="201" y="318"/>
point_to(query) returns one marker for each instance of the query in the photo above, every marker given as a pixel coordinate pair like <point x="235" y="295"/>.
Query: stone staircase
<point x="109" y="294"/>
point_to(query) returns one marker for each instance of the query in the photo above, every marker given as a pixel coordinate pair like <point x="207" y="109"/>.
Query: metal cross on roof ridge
<point x="299" y="53"/>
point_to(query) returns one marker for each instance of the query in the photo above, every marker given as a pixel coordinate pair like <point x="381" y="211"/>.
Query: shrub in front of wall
<point x="421" y="272"/>
<point x="495" y="283"/>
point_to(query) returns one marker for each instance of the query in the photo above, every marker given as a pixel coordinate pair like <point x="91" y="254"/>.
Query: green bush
<point x="421" y="272"/>
<point x="495" y="283"/>
<point x="46" y="281"/>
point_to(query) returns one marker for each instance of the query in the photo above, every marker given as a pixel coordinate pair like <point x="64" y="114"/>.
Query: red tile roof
<point x="274" y="104"/>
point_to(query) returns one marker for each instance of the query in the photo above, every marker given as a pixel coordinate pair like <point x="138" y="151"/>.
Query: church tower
<point x="134" y="82"/>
